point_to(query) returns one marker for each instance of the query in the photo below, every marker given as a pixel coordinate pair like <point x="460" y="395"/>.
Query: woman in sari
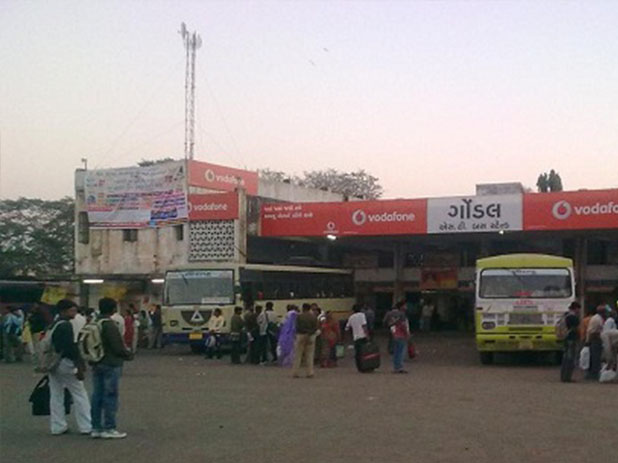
<point x="331" y="335"/>
<point x="287" y="333"/>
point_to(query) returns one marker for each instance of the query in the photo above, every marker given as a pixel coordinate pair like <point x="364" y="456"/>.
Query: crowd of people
<point x="307" y="336"/>
<point x="21" y="327"/>
<point x="591" y="343"/>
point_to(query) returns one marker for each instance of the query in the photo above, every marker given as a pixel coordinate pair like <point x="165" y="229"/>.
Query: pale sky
<point x="430" y="96"/>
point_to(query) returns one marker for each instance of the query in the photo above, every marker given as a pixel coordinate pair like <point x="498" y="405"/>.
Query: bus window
<point x="525" y="283"/>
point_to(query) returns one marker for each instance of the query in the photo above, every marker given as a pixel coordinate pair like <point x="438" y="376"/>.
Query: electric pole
<point x="192" y="41"/>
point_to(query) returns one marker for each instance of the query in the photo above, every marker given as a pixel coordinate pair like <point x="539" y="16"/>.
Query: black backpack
<point x="40" y="398"/>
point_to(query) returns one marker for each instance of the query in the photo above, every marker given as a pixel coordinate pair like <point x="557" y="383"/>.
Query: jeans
<point x="568" y="360"/>
<point x="105" y="380"/>
<point x="358" y="345"/>
<point x="596" y="351"/>
<point x="64" y="377"/>
<point x="399" y="349"/>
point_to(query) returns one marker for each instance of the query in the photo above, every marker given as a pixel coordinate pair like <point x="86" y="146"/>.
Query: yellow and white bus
<point x="193" y="292"/>
<point x="519" y="300"/>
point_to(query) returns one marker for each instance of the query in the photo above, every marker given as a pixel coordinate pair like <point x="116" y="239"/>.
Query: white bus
<point x="193" y="292"/>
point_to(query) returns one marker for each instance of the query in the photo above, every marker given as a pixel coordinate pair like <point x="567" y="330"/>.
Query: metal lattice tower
<point x="192" y="42"/>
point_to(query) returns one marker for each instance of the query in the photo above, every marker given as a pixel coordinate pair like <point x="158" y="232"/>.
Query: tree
<point x="549" y="182"/>
<point x="359" y="183"/>
<point x="147" y="162"/>
<point x="36" y="237"/>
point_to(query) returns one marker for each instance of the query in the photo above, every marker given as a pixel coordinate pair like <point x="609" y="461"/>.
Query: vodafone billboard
<point x="216" y="206"/>
<point x="572" y="210"/>
<point x="221" y="178"/>
<point x="367" y="218"/>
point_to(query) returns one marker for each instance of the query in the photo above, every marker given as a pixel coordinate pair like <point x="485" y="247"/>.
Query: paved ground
<point x="178" y="407"/>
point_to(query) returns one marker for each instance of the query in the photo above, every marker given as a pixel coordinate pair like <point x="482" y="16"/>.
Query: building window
<point x="83" y="228"/>
<point x="129" y="234"/>
<point x="180" y="232"/>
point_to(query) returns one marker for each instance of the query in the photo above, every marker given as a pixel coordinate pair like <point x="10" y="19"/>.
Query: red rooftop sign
<point x="215" y="206"/>
<point x="571" y="210"/>
<point x="368" y="218"/>
<point x="221" y="178"/>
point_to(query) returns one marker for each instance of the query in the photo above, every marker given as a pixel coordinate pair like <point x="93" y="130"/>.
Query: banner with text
<point x="136" y="197"/>
<point x="369" y="218"/>
<point x="221" y="178"/>
<point x="215" y="206"/>
<point x="572" y="210"/>
<point x="470" y="214"/>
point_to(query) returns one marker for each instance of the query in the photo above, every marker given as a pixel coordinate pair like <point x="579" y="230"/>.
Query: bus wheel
<point x="197" y="349"/>
<point x="487" y="358"/>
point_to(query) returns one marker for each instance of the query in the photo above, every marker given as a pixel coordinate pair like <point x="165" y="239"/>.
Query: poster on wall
<point x="443" y="278"/>
<point x="470" y="214"/>
<point x="136" y="197"/>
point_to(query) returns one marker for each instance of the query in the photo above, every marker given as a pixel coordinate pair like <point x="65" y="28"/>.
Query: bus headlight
<point x="488" y="325"/>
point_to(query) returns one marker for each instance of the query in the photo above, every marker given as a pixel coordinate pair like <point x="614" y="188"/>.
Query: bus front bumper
<point x="513" y="342"/>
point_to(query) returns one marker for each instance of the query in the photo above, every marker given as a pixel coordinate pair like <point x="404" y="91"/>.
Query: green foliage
<point x="359" y="183"/>
<point x="549" y="182"/>
<point x="147" y="162"/>
<point x="36" y="237"/>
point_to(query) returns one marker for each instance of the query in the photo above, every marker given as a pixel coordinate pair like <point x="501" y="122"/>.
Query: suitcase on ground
<point x="369" y="357"/>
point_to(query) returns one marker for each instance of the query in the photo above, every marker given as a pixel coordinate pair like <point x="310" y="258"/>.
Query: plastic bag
<point x="607" y="376"/>
<point x="584" y="358"/>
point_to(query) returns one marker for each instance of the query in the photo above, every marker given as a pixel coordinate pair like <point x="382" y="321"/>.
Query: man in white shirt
<point x="358" y="324"/>
<point x="78" y="322"/>
<point x="215" y="325"/>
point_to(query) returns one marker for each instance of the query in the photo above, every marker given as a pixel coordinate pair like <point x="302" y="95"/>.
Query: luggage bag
<point x="370" y="357"/>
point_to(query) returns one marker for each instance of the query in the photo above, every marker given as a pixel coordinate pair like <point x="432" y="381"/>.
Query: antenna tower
<point x="192" y="41"/>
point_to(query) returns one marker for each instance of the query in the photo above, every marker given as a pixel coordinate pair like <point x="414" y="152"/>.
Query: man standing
<point x="215" y="326"/>
<point x="304" y="346"/>
<point x="272" y="330"/>
<point x="252" y="328"/>
<point x="593" y="339"/>
<point x="360" y="334"/>
<point x="401" y="333"/>
<point x="236" y="326"/>
<point x="78" y="322"/>
<point x="12" y="328"/>
<point x="69" y="374"/>
<point x="262" y="321"/>
<point x="156" y="328"/>
<point x="106" y="375"/>
<point x="426" y="315"/>
<point x="38" y="323"/>
<point x="370" y="316"/>
<point x="570" y="343"/>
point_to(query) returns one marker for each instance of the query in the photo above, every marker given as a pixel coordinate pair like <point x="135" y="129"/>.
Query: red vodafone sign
<point x="217" y="206"/>
<point x="573" y="210"/>
<point x="221" y="178"/>
<point x="388" y="217"/>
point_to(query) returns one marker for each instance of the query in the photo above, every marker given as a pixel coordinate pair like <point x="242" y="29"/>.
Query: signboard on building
<point x="443" y="278"/>
<point x="470" y="214"/>
<point x="367" y="218"/>
<point x="572" y="210"/>
<point x="221" y="178"/>
<point x="215" y="206"/>
<point x="136" y="197"/>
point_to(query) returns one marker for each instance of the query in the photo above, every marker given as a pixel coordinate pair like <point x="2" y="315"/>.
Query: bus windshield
<point x="518" y="283"/>
<point x="199" y="287"/>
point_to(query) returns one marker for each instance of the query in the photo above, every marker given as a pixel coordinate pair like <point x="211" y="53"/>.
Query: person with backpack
<point x="106" y="374"/>
<point x="567" y="329"/>
<point x="68" y="374"/>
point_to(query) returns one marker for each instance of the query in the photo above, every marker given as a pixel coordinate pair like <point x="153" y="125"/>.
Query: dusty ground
<point x="178" y="407"/>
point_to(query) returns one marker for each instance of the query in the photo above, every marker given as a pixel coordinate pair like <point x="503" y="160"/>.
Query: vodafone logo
<point x="208" y="207"/>
<point x="359" y="217"/>
<point x="209" y="175"/>
<point x="562" y="210"/>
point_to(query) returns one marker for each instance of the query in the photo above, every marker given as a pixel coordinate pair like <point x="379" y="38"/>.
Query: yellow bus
<point x="519" y="300"/>
<point x="193" y="292"/>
